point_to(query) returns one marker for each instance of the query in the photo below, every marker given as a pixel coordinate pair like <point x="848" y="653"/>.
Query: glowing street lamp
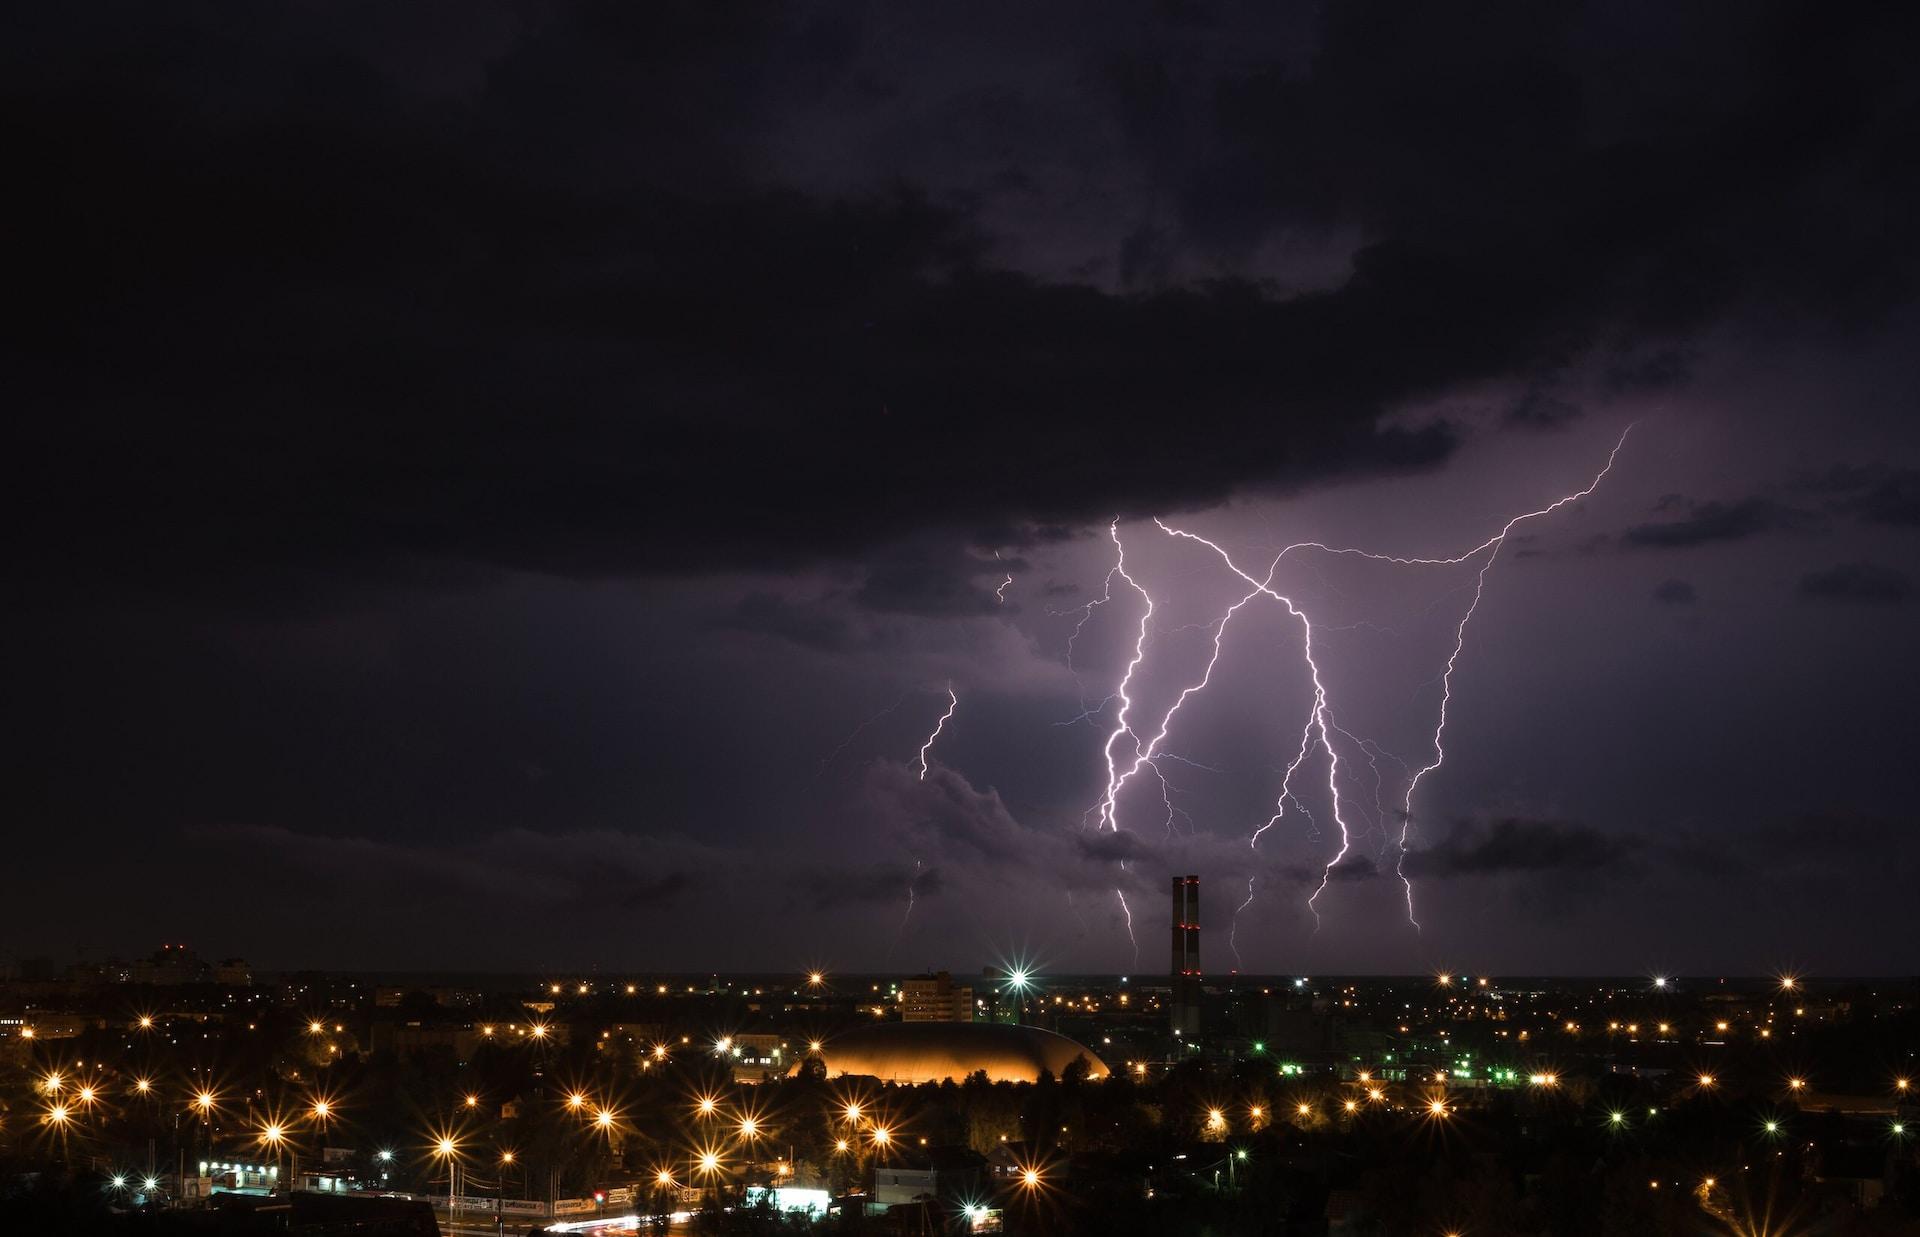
<point x="448" y="1151"/>
<point x="576" y="1101"/>
<point x="708" y="1106"/>
<point x="274" y="1135"/>
<point x="1020" y="982"/>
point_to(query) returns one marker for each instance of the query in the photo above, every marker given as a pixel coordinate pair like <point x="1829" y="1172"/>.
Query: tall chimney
<point x="1185" y="1012"/>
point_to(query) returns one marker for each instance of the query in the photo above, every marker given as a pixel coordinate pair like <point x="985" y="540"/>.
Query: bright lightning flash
<point x="953" y="702"/>
<point x="1320" y="731"/>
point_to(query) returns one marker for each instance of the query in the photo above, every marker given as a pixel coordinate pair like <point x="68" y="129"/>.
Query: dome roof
<point x="915" y="1052"/>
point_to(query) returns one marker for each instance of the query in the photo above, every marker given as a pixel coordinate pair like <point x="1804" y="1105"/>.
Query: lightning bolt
<point x="1319" y="724"/>
<point x="1493" y="545"/>
<point x="1000" y="594"/>
<point x="1087" y="712"/>
<point x="953" y="702"/>
<point x="1121" y="723"/>
<point x="1144" y="755"/>
<point x="1319" y="729"/>
<point x="900" y="933"/>
<point x="855" y="733"/>
<point x="1233" y="924"/>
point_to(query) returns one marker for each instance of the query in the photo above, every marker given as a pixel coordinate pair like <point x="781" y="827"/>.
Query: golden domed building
<point x="917" y="1052"/>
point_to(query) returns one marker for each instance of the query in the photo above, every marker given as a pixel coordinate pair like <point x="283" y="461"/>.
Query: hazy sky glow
<point x="509" y="486"/>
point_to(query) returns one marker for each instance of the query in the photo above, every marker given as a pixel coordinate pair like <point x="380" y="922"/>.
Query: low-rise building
<point x="935" y="998"/>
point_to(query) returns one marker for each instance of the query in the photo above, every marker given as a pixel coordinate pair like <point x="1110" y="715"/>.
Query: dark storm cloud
<point x="1857" y="582"/>
<point x="1513" y="844"/>
<point x="1708" y="522"/>
<point x="1675" y="593"/>
<point x="974" y="838"/>
<point x="1894" y="499"/>
<point x="1527" y="167"/>
<point x="310" y="295"/>
<point x="516" y="866"/>
<point x="1110" y="846"/>
<point x="1541" y="409"/>
<point x="928" y="587"/>
<point x="1831" y="843"/>
<point x="1355" y="867"/>
<point x="1663" y="370"/>
<point x="807" y="623"/>
<point x="882" y="884"/>
<point x="1875" y="494"/>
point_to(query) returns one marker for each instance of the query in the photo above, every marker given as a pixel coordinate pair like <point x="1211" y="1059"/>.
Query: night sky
<point x="508" y="486"/>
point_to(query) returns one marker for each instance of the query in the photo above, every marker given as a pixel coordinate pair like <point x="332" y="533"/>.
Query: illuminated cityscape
<point x="1141" y="618"/>
<point x="1053" y="1103"/>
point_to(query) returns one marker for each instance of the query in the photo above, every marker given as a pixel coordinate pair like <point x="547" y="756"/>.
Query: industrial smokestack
<point x="1185" y="1011"/>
